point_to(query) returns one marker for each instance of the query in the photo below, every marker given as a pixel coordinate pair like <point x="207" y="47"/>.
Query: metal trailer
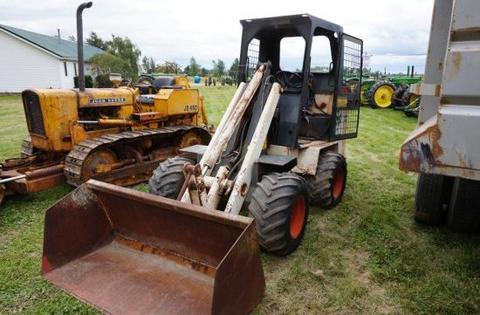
<point x="444" y="147"/>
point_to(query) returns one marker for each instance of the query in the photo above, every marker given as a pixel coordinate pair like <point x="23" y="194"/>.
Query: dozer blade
<point x="129" y="252"/>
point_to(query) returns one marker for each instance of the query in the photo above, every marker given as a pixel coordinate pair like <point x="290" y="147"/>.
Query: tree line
<point x="122" y="56"/>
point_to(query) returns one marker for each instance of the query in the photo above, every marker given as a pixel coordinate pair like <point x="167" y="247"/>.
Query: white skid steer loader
<point x="278" y="148"/>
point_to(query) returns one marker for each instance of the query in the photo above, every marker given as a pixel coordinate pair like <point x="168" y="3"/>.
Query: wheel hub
<point x="383" y="96"/>
<point x="189" y="139"/>
<point x="297" y="217"/>
<point x="338" y="183"/>
<point x="98" y="162"/>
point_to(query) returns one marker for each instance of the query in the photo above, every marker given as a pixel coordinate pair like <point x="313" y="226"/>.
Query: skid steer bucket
<point x="129" y="252"/>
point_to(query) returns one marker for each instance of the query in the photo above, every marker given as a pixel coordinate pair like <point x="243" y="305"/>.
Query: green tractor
<point x="402" y="98"/>
<point x="377" y="92"/>
<point x="406" y="101"/>
<point x="390" y="91"/>
<point x="367" y="83"/>
<point x="380" y="94"/>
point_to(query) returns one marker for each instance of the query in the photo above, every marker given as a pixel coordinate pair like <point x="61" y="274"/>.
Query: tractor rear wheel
<point x="280" y="207"/>
<point x="408" y="99"/>
<point x="397" y="97"/>
<point x="168" y="178"/>
<point x="410" y="103"/>
<point x="432" y="198"/>
<point x="327" y="186"/>
<point x="381" y="94"/>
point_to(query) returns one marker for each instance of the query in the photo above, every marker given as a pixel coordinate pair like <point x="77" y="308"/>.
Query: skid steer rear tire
<point x="432" y="198"/>
<point x="327" y="186"/>
<point x="168" y="178"/>
<point x="280" y="207"/>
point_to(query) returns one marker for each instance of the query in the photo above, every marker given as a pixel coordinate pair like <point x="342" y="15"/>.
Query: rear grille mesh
<point x="33" y="113"/>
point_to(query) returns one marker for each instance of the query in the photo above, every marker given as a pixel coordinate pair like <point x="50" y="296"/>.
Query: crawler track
<point x="163" y="139"/>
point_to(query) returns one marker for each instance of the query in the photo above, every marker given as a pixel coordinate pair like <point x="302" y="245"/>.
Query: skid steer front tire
<point x="280" y="207"/>
<point x="327" y="186"/>
<point x="168" y="178"/>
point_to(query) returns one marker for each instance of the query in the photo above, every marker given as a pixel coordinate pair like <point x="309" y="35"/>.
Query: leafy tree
<point x="193" y="67"/>
<point x="152" y="65"/>
<point x="169" y="67"/>
<point x="94" y="40"/>
<point x="204" y="72"/>
<point x="121" y="47"/>
<point x="233" y="72"/>
<point x="145" y="63"/>
<point x="106" y="62"/>
<point x="161" y="68"/>
<point x="148" y="64"/>
<point x="124" y="48"/>
<point x="218" y="68"/>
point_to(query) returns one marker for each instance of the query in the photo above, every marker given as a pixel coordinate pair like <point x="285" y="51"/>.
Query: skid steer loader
<point x="187" y="248"/>
<point x="118" y="135"/>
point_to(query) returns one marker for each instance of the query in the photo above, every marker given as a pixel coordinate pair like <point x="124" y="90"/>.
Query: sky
<point x="395" y="32"/>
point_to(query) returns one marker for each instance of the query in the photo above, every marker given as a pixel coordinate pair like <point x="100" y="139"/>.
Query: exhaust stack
<point x="81" y="66"/>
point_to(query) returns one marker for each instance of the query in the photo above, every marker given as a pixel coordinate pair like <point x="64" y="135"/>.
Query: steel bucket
<point x="129" y="252"/>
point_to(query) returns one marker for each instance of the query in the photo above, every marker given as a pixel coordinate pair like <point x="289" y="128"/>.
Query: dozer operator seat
<point x="148" y="84"/>
<point x="164" y="82"/>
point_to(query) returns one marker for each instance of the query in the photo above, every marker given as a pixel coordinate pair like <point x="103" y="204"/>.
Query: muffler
<point x="129" y="252"/>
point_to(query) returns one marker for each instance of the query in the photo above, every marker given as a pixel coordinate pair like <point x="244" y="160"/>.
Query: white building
<point x="29" y="60"/>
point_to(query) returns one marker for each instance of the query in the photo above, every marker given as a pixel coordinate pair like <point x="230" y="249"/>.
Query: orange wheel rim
<point x="338" y="183"/>
<point x="297" y="217"/>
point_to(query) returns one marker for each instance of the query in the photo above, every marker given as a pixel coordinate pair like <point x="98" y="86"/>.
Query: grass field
<point x="365" y="256"/>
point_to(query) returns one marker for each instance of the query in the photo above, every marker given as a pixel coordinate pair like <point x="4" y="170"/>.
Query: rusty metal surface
<point x="42" y="183"/>
<point x="239" y="282"/>
<point x="307" y="154"/>
<point x="37" y="179"/>
<point x="437" y="46"/>
<point x="75" y="160"/>
<point x="46" y="171"/>
<point x="446" y="144"/>
<point x="146" y="116"/>
<point x="74" y="226"/>
<point x="462" y="64"/>
<point x="129" y="252"/>
<point x="215" y="148"/>
<point x="415" y="154"/>
<point x="122" y="280"/>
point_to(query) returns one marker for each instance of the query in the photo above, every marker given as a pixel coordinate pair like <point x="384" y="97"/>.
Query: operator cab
<point x="319" y="68"/>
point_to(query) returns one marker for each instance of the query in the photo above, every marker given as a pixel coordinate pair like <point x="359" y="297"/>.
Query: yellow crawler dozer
<point x="117" y="135"/>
